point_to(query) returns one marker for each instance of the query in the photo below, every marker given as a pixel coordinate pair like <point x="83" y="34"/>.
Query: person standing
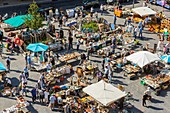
<point x="46" y="96"/>
<point x="106" y="71"/>
<point x="101" y="9"/>
<point x="34" y="94"/>
<point x="135" y="30"/>
<point x="78" y="44"/>
<point x="8" y="63"/>
<point x="114" y="19"/>
<point x="1" y="49"/>
<point x="140" y="24"/>
<point x="140" y="32"/>
<point x="29" y="61"/>
<point x="70" y="42"/>
<point x="103" y="62"/>
<point x="41" y="93"/>
<point x="26" y="55"/>
<point x="52" y="101"/>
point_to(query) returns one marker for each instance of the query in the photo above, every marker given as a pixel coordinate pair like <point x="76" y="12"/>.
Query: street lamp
<point x="133" y="3"/>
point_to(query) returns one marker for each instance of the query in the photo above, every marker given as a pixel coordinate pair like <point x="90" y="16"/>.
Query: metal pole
<point x="133" y="3"/>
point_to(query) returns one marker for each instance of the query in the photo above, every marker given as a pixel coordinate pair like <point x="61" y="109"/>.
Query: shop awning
<point x="16" y="21"/>
<point x="104" y="93"/>
<point x="2" y="67"/>
<point x="143" y="11"/>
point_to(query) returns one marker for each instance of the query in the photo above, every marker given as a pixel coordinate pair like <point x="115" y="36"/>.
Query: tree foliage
<point x="34" y="19"/>
<point x="91" y="25"/>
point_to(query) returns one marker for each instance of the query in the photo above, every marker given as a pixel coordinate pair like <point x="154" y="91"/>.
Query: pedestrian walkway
<point x="4" y="3"/>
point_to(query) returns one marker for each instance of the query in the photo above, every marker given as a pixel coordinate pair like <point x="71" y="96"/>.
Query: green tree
<point x="34" y="19"/>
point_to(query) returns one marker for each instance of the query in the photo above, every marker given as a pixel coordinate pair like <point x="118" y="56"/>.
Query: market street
<point x="159" y="104"/>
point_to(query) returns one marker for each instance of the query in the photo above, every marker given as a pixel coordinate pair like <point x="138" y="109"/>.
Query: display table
<point x="57" y="73"/>
<point x="156" y="82"/>
<point x="68" y="57"/>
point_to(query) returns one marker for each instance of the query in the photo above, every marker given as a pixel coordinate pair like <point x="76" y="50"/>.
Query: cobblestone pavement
<point x="158" y="105"/>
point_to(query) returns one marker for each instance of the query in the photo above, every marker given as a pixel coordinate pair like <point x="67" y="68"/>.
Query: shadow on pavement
<point x="15" y="81"/>
<point x="163" y="93"/>
<point x="17" y="71"/>
<point x="155" y="108"/>
<point x="32" y="109"/>
<point x="153" y="100"/>
<point x="32" y="80"/>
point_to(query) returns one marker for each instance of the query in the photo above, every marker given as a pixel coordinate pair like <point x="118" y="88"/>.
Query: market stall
<point x="140" y="13"/>
<point x="58" y="73"/>
<point x="103" y="91"/>
<point x="157" y="82"/>
<point x="67" y="57"/>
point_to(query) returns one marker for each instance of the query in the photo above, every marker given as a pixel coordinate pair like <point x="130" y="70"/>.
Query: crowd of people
<point x="66" y="97"/>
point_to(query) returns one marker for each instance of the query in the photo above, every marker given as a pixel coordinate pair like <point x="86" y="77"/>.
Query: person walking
<point x="114" y="19"/>
<point x="145" y="96"/>
<point x="34" y="94"/>
<point x="8" y="63"/>
<point x="26" y="72"/>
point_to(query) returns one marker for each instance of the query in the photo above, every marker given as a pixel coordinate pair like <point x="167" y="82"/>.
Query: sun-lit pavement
<point x="158" y="105"/>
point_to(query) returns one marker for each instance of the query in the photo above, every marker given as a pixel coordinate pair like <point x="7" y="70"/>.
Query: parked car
<point x="90" y="3"/>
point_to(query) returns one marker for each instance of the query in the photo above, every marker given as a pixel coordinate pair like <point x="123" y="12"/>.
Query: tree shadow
<point x="155" y="108"/>
<point x="32" y="109"/>
<point x="15" y="81"/>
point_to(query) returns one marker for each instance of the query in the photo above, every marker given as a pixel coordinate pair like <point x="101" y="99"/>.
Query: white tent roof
<point x="104" y="93"/>
<point x="143" y="11"/>
<point x="142" y="58"/>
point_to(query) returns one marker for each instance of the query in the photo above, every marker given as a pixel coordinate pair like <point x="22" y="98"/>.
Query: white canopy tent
<point x="142" y="58"/>
<point x="104" y="93"/>
<point x="143" y="11"/>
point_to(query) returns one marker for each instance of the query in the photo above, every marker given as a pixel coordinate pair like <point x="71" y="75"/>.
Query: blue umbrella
<point x="2" y="67"/>
<point x="166" y="58"/>
<point x="64" y="87"/>
<point x="37" y="47"/>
